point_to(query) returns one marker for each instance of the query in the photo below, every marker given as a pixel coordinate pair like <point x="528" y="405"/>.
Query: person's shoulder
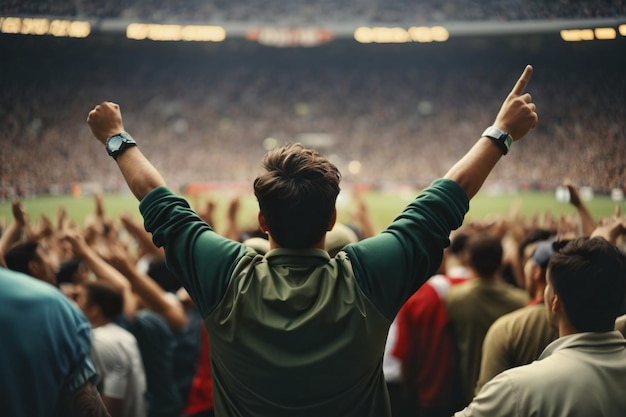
<point x="458" y="290"/>
<point x="38" y="294"/>
<point x="514" y="319"/>
<point x="112" y="333"/>
<point x="520" y="295"/>
<point x="18" y="283"/>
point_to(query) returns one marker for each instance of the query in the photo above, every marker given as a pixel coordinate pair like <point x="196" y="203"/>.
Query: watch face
<point x="115" y="142"/>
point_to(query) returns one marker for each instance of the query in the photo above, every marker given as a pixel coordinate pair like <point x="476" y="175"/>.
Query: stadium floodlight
<point x="421" y="34"/>
<point x="155" y="32"/>
<point x="576" y="35"/>
<point x="43" y="26"/>
<point x="605" y="33"/>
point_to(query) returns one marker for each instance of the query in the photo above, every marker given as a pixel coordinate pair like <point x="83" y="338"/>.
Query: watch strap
<point x="500" y="137"/>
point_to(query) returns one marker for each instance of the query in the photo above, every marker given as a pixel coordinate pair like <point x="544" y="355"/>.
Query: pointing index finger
<point x="520" y="85"/>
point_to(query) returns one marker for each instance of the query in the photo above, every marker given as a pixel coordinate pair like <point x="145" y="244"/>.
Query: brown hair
<point x="297" y="195"/>
<point x="106" y="296"/>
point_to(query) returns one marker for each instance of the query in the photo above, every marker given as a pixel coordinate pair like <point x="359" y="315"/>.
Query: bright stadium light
<point x="202" y="33"/>
<point x="440" y="34"/>
<point x="605" y="33"/>
<point x="11" y="25"/>
<point x="622" y="30"/>
<point x="576" y="35"/>
<point x="421" y="34"/>
<point x="363" y="34"/>
<point x="42" y="26"/>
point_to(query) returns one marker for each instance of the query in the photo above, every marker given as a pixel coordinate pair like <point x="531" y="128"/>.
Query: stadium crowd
<point x="400" y="114"/>
<point x="303" y="12"/>
<point x="114" y="273"/>
<point x="382" y="115"/>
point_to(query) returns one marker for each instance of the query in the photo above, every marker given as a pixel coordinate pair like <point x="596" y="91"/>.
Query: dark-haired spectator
<point x="583" y="372"/>
<point x="151" y="315"/>
<point x="34" y="258"/>
<point x="295" y="331"/>
<point x="115" y="354"/>
<point x="518" y="338"/>
<point x="474" y="305"/>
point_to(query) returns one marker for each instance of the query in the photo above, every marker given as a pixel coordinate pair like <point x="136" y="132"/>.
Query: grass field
<point x="384" y="207"/>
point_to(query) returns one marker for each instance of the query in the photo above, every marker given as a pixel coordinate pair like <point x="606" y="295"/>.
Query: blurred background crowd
<point x="337" y="11"/>
<point x="397" y="113"/>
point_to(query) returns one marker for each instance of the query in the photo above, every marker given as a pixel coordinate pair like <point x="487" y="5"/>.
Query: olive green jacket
<point x="295" y="332"/>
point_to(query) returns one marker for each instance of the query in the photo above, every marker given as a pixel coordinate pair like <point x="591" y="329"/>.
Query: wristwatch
<point x="501" y="138"/>
<point x="118" y="143"/>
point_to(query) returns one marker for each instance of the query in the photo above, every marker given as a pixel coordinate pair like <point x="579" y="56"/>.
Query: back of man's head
<point x="20" y="255"/>
<point x="485" y="254"/>
<point x="105" y="296"/>
<point x="589" y="277"/>
<point x="297" y="195"/>
<point x="458" y="243"/>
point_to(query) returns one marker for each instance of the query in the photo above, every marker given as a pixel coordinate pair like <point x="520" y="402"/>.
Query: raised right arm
<point x="517" y="116"/>
<point x="105" y="120"/>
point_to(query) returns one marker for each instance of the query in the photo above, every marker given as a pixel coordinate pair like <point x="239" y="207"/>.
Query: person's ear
<point x="262" y="223"/>
<point x="555" y="304"/>
<point x="333" y="220"/>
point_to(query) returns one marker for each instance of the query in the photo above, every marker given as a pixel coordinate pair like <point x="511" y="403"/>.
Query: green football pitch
<point x="383" y="207"/>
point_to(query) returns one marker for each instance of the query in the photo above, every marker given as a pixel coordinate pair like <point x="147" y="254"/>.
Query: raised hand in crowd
<point x="587" y="222"/>
<point x="102" y="269"/>
<point x="14" y="230"/>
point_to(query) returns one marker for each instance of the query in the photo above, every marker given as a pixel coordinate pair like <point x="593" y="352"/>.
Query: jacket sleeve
<point x="199" y="257"/>
<point x="391" y="266"/>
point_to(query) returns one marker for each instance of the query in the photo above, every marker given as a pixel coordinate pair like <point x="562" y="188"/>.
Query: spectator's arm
<point x="515" y="235"/>
<point x="83" y="402"/>
<point x="611" y="229"/>
<point x="232" y="219"/>
<point x="105" y="120"/>
<point x="153" y="296"/>
<point x="586" y="220"/>
<point x="44" y="228"/>
<point x="62" y="221"/>
<point x="363" y="218"/>
<point x="143" y="238"/>
<point x="13" y="231"/>
<point x="102" y="270"/>
<point x="517" y="116"/>
<point x="208" y="213"/>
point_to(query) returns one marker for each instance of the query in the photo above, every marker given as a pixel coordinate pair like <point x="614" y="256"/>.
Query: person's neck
<point x="487" y="278"/>
<point x="538" y="295"/>
<point x="99" y="322"/>
<point x="319" y="245"/>
<point x="566" y="328"/>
